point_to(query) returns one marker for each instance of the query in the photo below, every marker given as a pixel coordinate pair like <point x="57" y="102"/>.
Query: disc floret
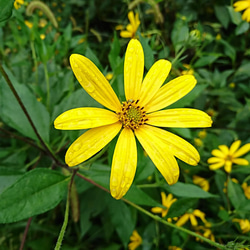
<point x="132" y="115"/>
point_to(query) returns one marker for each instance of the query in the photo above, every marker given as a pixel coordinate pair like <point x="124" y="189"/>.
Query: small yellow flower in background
<point x="211" y="112"/>
<point x="42" y="23"/>
<point x="135" y="239"/>
<point x="18" y="4"/>
<point x="198" y="142"/>
<point x="246" y="189"/>
<point x="202" y="134"/>
<point x="82" y="40"/>
<point x="167" y="202"/>
<point x="28" y="24"/>
<point x="226" y="184"/>
<point x="189" y="70"/>
<point x="138" y="116"/>
<point x="207" y="232"/>
<point x="132" y="27"/>
<point x="109" y="76"/>
<point x="192" y="217"/>
<point x="225" y="156"/>
<point x="218" y="36"/>
<point x="174" y="248"/>
<point x="42" y="36"/>
<point x="202" y="182"/>
<point x="243" y="5"/>
<point x="244" y="225"/>
<point x="231" y="85"/>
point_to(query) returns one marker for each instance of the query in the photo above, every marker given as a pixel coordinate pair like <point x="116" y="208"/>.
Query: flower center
<point x="132" y="115"/>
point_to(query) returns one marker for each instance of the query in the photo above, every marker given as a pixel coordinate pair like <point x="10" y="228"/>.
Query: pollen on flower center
<point x="132" y="115"/>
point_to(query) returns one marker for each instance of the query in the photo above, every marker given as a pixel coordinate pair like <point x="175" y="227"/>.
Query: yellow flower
<point x="243" y="5"/>
<point x="231" y="85"/>
<point x="207" y="232"/>
<point x="28" y="24"/>
<point x="202" y="134"/>
<point x="132" y="27"/>
<point x="225" y="156"/>
<point x="202" y="182"/>
<point x="18" y="4"/>
<point x="198" y="142"/>
<point x="109" y="76"/>
<point x="192" y="217"/>
<point x="246" y="189"/>
<point x="137" y="116"/>
<point x="174" y="248"/>
<point x="189" y="70"/>
<point x="167" y="202"/>
<point x="244" y="225"/>
<point x="135" y="239"/>
<point x="42" y="36"/>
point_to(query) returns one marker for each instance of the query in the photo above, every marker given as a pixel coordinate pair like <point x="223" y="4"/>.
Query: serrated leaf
<point x="6" y="7"/>
<point x="36" y="192"/>
<point x="12" y="114"/>
<point x="188" y="190"/>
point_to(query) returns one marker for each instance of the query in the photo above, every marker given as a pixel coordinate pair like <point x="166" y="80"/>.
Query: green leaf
<point x="235" y="16"/>
<point x="242" y="28"/>
<point x="235" y="194"/>
<point x="124" y="224"/>
<point x="222" y="15"/>
<point x="6" y="7"/>
<point x="188" y="190"/>
<point x="180" y="206"/>
<point x="36" y="192"/>
<point x="206" y="60"/>
<point x="139" y="197"/>
<point x="114" y="58"/>
<point x="12" y="114"/>
<point x="148" y="52"/>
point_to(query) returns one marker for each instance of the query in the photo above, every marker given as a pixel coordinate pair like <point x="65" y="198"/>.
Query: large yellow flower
<point x="225" y="156"/>
<point x="243" y="5"/>
<point x="137" y="116"/>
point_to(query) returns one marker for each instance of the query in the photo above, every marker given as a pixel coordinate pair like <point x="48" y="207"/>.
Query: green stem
<point x="179" y="55"/>
<point x="157" y="218"/>
<point x="66" y="215"/>
<point x="33" y="51"/>
<point x="47" y="84"/>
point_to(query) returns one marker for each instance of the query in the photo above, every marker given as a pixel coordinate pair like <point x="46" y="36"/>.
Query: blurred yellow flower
<point x="174" y="248"/>
<point x="167" y="202"/>
<point x="232" y="85"/>
<point x="18" y="4"/>
<point x="189" y="70"/>
<point x="225" y="156"/>
<point x="192" y="217"/>
<point x="202" y="182"/>
<point x="135" y="239"/>
<point x="42" y="36"/>
<point x="246" y="189"/>
<point x="132" y="27"/>
<point x="28" y="24"/>
<point x="202" y="134"/>
<point x="109" y="76"/>
<point x="198" y="142"/>
<point x="243" y="5"/>
<point x="138" y="116"/>
<point x="207" y="232"/>
<point x="244" y="225"/>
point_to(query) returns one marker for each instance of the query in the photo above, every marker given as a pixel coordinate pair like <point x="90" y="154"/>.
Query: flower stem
<point x="47" y="85"/>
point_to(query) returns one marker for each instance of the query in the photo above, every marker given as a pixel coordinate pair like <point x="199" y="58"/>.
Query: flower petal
<point x="123" y="164"/>
<point x="241" y="5"/>
<point x="224" y="149"/>
<point x="153" y="81"/>
<point x="216" y="165"/>
<point x="180" y="118"/>
<point x="126" y="34"/>
<point x="246" y="15"/>
<point x="228" y="166"/>
<point x="218" y="153"/>
<point x="176" y="145"/>
<point x="171" y="92"/>
<point x="133" y="70"/>
<point x="234" y="147"/>
<point x="214" y="160"/>
<point x="90" y="143"/>
<point x="94" y="82"/>
<point x="84" y="118"/>
<point x="243" y="150"/>
<point x="183" y="219"/>
<point x="158" y="151"/>
<point x="240" y="161"/>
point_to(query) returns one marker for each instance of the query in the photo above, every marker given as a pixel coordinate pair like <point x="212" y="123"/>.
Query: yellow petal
<point x="184" y="218"/>
<point x="156" y="210"/>
<point x="214" y="160"/>
<point x="216" y="165"/>
<point x="131" y="17"/>
<point x="224" y="149"/>
<point x="158" y="151"/>
<point x="234" y="147"/>
<point x="241" y="5"/>
<point x="243" y="150"/>
<point x="240" y="161"/>
<point x="171" y="92"/>
<point x="153" y="81"/>
<point x="124" y="164"/>
<point x="84" y="118"/>
<point x="180" y="118"/>
<point x="90" y="143"/>
<point x="228" y="166"/>
<point x="218" y="153"/>
<point x="94" y="82"/>
<point x="126" y="34"/>
<point x="176" y="145"/>
<point x="133" y="70"/>
<point x="246" y="15"/>
<point x="193" y="220"/>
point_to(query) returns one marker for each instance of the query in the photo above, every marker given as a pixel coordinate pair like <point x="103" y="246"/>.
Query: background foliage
<point x="35" y="44"/>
